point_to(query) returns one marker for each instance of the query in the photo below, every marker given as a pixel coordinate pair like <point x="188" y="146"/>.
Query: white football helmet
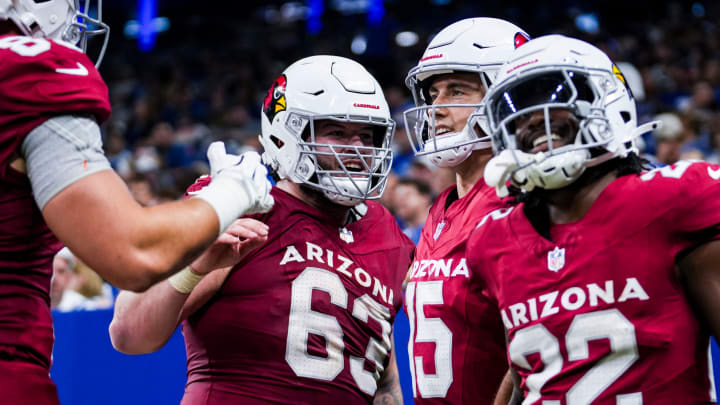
<point x="61" y="20"/>
<point x="478" y="45"/>
<point x="557" y="72"/>
<point x="327" y="88"/>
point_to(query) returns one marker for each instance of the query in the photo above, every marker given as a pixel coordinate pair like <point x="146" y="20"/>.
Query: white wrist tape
<point x="185" y="280"/>
<point x="229" y="198"/>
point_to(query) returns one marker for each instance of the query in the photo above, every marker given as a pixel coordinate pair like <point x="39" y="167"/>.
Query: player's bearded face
<point x="350" y="135"/>
<point x="532" y="136"/>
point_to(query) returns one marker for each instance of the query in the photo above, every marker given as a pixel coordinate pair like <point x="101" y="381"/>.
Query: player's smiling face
<point x="454" y="88"/>
<point x="344" y="133"/>
<point x="532" y="136"/>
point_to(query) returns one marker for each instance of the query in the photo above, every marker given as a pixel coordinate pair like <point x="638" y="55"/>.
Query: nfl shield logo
<point x="438" y="230"/>
<point x="346" y="235"/>
<point x="556" y="259"/>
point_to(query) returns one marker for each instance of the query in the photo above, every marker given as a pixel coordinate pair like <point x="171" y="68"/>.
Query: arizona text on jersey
<point x="456" y="346"/>
<point x="307" y="317"/>
<point x="598" y="315"/>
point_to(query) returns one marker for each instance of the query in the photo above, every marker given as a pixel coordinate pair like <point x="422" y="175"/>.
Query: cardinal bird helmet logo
<point x="275" y="98"/>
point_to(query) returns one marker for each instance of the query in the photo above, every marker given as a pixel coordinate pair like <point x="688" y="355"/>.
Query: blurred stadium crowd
<point x="207" y="74"/>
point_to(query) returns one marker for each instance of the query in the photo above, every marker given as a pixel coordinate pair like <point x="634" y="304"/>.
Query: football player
<point x="606" y="276"/>
<point x="307" y="317"/>
<point x="456" y="336"/>
<point x="56" y="187"/>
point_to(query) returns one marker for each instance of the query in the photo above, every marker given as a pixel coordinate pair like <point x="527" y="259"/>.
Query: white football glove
<point x="239" y="185"/>
<point x="499" y="171"/>
<point x="530" y="170"/>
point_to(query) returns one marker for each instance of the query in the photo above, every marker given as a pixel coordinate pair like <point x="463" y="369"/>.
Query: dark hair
<point x="535" y="202"/>
<point x="421" y="186"/>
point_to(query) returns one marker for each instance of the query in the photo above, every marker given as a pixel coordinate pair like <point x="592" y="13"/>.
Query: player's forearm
<point x="143" y="323"/>
<point x="170" y="236"/>
<point x="505" y="391"/>
<point x="517" y="396"/>
<point x="151" y="245"/>
<point x="130" y="246"/>
<point x="389" y="391"/>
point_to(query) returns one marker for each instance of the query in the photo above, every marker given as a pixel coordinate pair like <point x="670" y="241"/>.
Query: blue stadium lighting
<point x="698" y="10"/>
<point x="359" y="45"/>
<point x="147" y="26"/>
<point x="588" y="23"/>
<point x="376" y="13"/>
<point x="159" y="24"/>
<point x="147" y="9"/>
<point x="315" y="9"/>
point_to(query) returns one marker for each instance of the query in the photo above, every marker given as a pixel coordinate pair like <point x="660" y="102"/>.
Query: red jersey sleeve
<point x="689" y="195"/>
<point x="699" y="199"/>
<point x="200" y="183"/>
<point x="42" y="78"/>
<point x="479" y="251"/>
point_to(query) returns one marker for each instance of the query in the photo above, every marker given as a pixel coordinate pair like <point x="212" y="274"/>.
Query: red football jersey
<point x="457" y="343"/>
<point x="598" y="315"/>
<point x="304" y="319"/>
<point x="34" y="88"/>
<point x="42" y="78"/>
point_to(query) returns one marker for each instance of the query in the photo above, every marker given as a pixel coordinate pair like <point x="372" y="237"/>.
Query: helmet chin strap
<point x="348" y="188"/>
<point x="482" y="145"/>
<point x="449" y="155"/>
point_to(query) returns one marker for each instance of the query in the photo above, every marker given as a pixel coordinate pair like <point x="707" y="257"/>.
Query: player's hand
<point x="239" y="185"/>
<point x="243" y="236"/>
<point x="247" y="170"/>
<point x="499" y="171"/>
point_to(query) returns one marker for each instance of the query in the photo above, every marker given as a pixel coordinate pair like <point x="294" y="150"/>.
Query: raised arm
<point x="144" y="322"/>
<point x="90" y="209"/>
<point x="130" y="246"/>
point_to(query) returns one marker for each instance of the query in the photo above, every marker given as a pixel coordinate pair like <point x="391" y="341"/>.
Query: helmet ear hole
<point x="277" y="141"/>
<point x="626" y="116"/>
